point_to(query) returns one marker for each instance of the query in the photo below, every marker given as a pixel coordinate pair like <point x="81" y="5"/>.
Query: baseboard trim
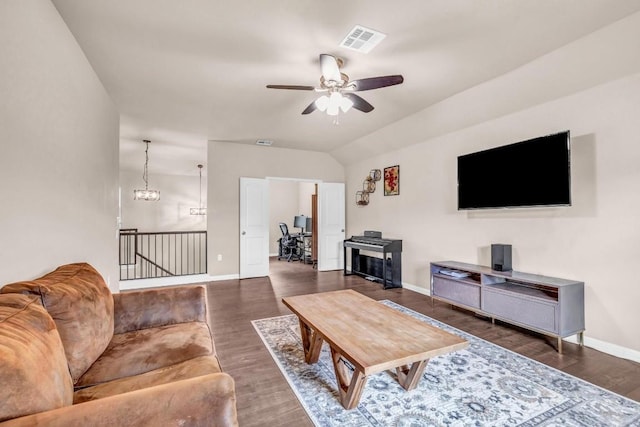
<point x="409" y="286"/>
<point x="418" y="289"/>
<point x="607" y="347"/>
<point x="126" y="285"/>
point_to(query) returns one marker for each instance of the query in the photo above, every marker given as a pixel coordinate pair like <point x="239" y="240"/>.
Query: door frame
<point x="268" y="179"/>
<point x="298" y="180"/>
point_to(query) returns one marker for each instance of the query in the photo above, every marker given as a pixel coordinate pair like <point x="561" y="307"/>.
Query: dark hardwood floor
<point x="264" y="396"/>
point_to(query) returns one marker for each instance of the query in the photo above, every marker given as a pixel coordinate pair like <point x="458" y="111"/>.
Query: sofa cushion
<point x="81" y="304"/>
<point x="180" y="371"/>
<point x="151" y="308"/>
<point x="137" y="352"/>
<point x="34" y="376"/>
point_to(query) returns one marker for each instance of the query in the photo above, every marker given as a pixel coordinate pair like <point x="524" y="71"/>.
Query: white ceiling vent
<point x="265" y="142"/>
<point x="362" y="39"/>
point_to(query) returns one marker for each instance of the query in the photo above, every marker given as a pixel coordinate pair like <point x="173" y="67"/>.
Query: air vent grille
<point x="264" y="142"/>
<point x="362" y="39"/>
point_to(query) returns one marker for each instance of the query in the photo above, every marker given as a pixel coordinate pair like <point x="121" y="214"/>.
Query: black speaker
<point x="500" y="257"/>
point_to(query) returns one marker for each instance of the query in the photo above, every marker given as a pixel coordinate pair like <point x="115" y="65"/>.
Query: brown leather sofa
<point x="73" y="354"/>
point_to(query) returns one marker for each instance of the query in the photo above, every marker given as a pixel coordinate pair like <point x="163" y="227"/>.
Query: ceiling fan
<point x="340" y="91"/>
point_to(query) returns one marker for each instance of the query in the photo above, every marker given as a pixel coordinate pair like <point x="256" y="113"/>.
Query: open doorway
<point x="293" y="202"/>
<point x="255" y="223"/>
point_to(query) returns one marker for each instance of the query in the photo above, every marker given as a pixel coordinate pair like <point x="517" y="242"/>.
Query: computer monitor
<point x="300" y="221"/>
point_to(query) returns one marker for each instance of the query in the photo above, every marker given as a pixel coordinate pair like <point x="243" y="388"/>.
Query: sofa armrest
<point x="158" y="307"/>
<point x="208" y="400"/>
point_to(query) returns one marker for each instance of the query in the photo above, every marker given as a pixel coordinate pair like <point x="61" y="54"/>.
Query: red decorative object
<point x="392" y="180"/>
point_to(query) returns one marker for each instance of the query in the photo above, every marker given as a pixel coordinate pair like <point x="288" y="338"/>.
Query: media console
<point x="548" y="305"/>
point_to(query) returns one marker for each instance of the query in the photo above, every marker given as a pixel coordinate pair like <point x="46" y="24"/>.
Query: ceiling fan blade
<point x="358" y="102"/>
<point x="311" y="108"/>
<point x="293" y="87"/>
<point x="329" y="67"/>
<point x="376" y="82"/>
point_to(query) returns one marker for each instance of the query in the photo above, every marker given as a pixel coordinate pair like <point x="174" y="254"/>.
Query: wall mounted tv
<point x="530" y="173"/>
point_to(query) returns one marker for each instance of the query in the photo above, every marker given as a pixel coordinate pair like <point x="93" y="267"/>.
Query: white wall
<point x="227" y="163"/>
<point x="595" y="240"/>
<point x="305" y="190"/>
<point x="59" y="137"/>
<point x="178" y="194"/>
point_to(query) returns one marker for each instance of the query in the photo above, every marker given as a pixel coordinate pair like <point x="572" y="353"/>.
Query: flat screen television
<point x="529" y="173"/>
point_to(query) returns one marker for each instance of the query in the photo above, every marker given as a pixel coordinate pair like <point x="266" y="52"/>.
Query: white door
<point x="254" y="228"/>
<point x="331" y="221"/>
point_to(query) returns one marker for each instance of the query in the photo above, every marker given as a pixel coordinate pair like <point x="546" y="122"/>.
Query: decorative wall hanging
<point x="368" y="186"/>
<point x="392" y="180"/>
<point x="362" y="198"/>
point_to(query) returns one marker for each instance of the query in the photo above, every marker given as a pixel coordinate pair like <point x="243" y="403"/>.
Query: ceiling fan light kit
<point x="341" y="96"/>
<point x="332" y="104"/>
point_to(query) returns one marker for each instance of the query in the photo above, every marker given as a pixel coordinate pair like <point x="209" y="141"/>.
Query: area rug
<point x="483" y="385"/>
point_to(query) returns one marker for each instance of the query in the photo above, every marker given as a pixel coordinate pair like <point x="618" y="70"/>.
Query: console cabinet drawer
<point x="538" y="314"/>
<point x="463" y="293"/>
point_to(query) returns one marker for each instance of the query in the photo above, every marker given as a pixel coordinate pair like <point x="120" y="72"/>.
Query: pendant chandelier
<point x="146" y="194"/>
<point x="199" y="210"/>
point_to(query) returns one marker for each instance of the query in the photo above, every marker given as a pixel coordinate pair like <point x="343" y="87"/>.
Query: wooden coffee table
<point x="367" y="337"/>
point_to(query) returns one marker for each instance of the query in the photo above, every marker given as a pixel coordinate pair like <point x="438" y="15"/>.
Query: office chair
<point x="289" y="245"/>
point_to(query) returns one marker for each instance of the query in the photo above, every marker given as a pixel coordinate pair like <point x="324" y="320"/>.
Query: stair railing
<point x="162" y="254"/>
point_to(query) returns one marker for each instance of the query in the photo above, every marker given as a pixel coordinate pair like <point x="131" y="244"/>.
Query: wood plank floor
<point x="264" y="396"/>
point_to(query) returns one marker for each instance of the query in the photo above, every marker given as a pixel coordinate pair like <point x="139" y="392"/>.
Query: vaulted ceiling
<point x="185" y="72"/>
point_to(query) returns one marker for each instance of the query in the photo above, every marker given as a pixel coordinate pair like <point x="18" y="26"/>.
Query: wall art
<point x="392" y="181"/>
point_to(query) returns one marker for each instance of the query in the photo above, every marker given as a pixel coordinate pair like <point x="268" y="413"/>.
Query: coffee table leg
<point x="409" y="376"/>
<point x="350" y="385"/>
<point x="311" y="343"/>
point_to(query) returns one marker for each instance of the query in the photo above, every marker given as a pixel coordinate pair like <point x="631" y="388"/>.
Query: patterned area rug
<point x="483" y="385"/>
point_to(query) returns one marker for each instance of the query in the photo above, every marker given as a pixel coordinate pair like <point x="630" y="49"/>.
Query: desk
<point x="305" y="240"/>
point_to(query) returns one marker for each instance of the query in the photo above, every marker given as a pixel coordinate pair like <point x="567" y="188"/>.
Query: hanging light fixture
<point x="199" y="210"/>
<point x="146" y="194"/>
